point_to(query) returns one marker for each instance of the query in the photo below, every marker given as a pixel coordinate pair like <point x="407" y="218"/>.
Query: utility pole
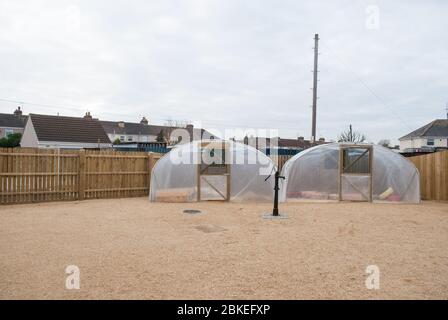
<point x="316" y="53"/>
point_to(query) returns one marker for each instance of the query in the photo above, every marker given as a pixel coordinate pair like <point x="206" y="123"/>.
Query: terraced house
<point x="135" y="132"/>
<point x="12" y="123"/>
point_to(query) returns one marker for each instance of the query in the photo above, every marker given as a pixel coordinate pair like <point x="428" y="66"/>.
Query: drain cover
<point x="191" y="211"/>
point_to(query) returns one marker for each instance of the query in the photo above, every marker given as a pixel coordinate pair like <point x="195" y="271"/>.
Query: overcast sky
<point x="230" y="63"/>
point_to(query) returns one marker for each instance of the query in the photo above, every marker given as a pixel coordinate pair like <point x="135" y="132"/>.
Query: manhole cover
<point x="192" y="211"/>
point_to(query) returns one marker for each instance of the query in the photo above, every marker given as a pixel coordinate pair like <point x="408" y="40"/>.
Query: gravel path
<point x="131" y="248"/>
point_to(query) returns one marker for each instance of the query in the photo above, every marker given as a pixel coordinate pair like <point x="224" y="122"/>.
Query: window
<point x="130" y="138"/>
<point x="356" y="160"/>
<point x="430" y="142"/>
<point x="122" y="138"/>
<point x="213" y="158"/>
<point x="8" y="132"/>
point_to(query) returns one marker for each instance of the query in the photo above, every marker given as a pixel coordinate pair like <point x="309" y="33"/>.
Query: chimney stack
<point x="322" y="139"/>
<point x="144" y="121"/>
<point x="18" y="112"/>
<point x="121" y="124"/>
<point x="88" y="115"/>
<point x="189" y="128"/>
<point x="300" y="138"/>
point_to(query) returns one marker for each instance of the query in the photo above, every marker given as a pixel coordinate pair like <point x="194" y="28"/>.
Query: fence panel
<point x="280" y="160"/>
<point x="433" y="170"/>
<point x="32" y="175"/>
<point x="37" y="175"/>
<point x="115" y="174"/>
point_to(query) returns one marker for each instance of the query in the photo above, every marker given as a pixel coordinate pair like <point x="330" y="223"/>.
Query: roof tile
<point x="436" y="128"/>
<point x="68" y="129"/>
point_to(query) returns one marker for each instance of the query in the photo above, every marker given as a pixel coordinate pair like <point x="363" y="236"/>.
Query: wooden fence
<point x="37" y="175"/>
<point x="280" y="160"/>
<point x="433" y="170"/>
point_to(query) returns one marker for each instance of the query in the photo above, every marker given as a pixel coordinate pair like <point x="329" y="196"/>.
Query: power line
<point x="367" y="87"/>
<point x="71" y="108"/>
<point x="165" y="118"/>
<point x="74" y="108"/>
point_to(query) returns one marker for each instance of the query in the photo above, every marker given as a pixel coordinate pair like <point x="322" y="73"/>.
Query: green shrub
<point x="11" y="141"/>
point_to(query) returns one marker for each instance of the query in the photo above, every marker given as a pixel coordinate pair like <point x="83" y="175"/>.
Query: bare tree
<point x="160" y="136"/>
<point x="172" y="125"/>
<point x="351" y="136"/>
<point x="384" y="142"/>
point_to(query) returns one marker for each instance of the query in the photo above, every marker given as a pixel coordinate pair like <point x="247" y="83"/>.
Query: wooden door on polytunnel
<point x="213" y="173"/>
<point x="355" y="173"/>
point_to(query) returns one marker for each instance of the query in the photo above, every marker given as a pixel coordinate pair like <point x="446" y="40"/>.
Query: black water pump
<point x="276" y="188"/>
<point x="275" y="213"/>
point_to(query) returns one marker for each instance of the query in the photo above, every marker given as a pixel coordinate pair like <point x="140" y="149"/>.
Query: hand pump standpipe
<point x="275" y="214"/>
<point x="276" y="188"/>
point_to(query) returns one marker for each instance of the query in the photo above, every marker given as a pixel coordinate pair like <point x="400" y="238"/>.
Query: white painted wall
<point x="29" y="137"/>
<point x="440" y="142"/>
<point x="5" y="130"/>
<point x="135" y="137"/>
<point x="71" y="145"/>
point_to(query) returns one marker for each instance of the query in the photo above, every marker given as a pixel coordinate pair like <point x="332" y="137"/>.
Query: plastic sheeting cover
<point x="314" y="174"/>
<point x="175" y="174"/>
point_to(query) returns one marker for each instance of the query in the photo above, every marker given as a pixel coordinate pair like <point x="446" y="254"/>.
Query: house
<point x="429" y="138"/>
<point x="130" y="131"/>
<point x="143" y="132"/>
<point x="282" y="146"/>
<point x="12" y="123"/>
<point x="298" y="144"/>
<point x="45" y="131"/>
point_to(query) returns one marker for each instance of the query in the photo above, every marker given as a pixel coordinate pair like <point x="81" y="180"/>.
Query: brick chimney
<point x="88" y="115"/>
<point x="144" y="121"/>
<point x="18" y="112"/>
<point x="121" y="124"/>
<point x="301" y="139"/>
<point x="322" y="139"/>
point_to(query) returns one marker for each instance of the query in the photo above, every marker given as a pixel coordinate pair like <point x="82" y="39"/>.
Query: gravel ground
<point x="134" y="249"/>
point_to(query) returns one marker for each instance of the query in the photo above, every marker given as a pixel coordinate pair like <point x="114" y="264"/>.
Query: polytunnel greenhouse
<point x="354" y="172"/>
<point x="212" y="170"/>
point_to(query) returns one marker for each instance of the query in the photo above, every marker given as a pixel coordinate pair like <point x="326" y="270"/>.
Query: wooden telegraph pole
<point x="316" y="53"/>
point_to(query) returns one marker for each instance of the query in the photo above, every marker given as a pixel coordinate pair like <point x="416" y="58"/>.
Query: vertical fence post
<point x="81" y="174"/>
<point x="150" y="166"/>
